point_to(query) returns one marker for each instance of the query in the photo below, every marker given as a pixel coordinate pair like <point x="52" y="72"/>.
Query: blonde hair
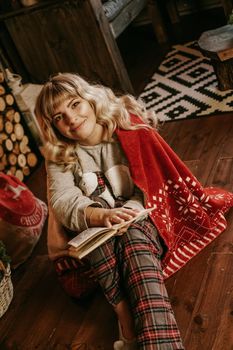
<point x="111" y="111"/>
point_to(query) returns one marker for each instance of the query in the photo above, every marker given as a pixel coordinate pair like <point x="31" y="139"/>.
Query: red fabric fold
<point x="187" y="216"/>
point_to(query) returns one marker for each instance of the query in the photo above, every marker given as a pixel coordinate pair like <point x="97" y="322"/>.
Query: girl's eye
<point x="57" y="118"/>
<point x="75" y="104"/>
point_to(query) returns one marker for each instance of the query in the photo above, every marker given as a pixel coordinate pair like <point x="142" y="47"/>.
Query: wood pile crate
<point x="217" y="44"/>
<point x="18" y="153"/>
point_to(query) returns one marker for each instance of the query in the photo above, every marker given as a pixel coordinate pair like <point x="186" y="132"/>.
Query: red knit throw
<point x="187" y="216"/>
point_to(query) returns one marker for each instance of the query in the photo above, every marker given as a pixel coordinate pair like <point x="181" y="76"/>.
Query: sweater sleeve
<point x="66" y="199"/>
<point x="136" y="201"/>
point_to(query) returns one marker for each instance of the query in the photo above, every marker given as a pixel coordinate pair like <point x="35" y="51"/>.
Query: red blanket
<point x="187" y="216"/>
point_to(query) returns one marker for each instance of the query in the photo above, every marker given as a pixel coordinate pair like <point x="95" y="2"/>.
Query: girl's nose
<point x="71" y="118"/>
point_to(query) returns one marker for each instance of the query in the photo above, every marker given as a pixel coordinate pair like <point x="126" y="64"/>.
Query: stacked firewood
<point x="16" y="155"/>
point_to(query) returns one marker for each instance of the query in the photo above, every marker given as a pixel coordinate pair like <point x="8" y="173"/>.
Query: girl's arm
<point x="136" y="201"/>
<point x="66" y="199"/>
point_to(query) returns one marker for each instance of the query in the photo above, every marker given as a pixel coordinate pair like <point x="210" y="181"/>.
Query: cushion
<point x="22" y="217"/>
<point x="75" y="277"/>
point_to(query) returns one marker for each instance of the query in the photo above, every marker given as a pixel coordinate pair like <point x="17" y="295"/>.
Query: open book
<point x="88" y="240"/>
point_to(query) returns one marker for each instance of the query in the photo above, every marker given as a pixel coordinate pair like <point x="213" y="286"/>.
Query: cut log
<point x="22" y="161"/>
<point x="2" y="104"/>
<point x="4" y="160"/>
<point x="23" y="147"/>
<point x="31" y="159"/>
<point x="12" y="159"/>
<point x="19" y="174"/>
<point x="1" y="77"/>
<point x="2" y="166"/>
<point x="9" y="99"/>
<point x="2" y="90"/>
<point x="16" y="149"/>
<point x="17" y="117"/>
<point x="25" y="140"/>
<point x="13" y="170"/>
<point x="13" y="137"/>
<point x="9" y="145"/>
<point x="1" y="151"/>
<point x="19" y="131"/>
<point x="10" y="114"/>
<point x="9" y="127"/>
<point x="26" y="171"/>
<point x="3" y="137"/>
<point x="1" y="123"/>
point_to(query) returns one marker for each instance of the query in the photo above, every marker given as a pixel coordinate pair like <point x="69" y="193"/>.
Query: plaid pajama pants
<point x="128" y="266"/>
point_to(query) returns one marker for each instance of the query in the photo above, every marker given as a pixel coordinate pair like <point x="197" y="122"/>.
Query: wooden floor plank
<point x="182" y="134"/>
<point x="39" y="304"/>
<point x="224" y="243"/>
<point x="212" y="318"/>
<point x="92" y="333"/>
<point x="201" y="142"/>
<point x="183" y="288"/>
<point x="223" y="173"/>
<point x="201" y="152"/>
<point x="215" y="140"/>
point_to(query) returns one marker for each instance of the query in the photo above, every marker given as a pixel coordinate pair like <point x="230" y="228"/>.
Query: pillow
<point x="22" y="217"/>
<point x="75" y="277"/>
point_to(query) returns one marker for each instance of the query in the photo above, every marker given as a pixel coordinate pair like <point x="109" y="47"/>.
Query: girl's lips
<point x="78" y="126"/>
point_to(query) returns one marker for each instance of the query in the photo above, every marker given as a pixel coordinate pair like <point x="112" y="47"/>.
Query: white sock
<point x="122" y="345"/>
<point x="118" y="345"/>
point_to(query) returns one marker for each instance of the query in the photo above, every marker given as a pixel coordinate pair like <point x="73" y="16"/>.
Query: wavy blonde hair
<point x="111" y="111"/>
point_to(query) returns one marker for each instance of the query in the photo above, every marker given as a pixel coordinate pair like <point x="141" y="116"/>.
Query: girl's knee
<point x="135" y="241"/>
<point x="134" y="236"/>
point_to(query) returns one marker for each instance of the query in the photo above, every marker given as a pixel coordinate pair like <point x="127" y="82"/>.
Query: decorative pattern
<point x="6" y="291"/>
<point x="185" y="86"/>
<point x="188" y="242"/>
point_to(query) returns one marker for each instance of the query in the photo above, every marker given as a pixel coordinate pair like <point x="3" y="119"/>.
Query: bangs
<point x="54" y="95"/>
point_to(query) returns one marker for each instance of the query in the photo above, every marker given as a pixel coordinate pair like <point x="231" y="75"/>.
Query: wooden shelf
<point x="28" y="9"/>
<point x="67" y="35"/>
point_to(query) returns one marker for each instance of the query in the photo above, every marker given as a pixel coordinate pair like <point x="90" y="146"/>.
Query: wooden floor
<point x="41" y="316"/>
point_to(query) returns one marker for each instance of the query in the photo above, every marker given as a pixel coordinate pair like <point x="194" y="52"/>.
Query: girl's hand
<point x="108" y="217"/>
<point x="118" y="215"/>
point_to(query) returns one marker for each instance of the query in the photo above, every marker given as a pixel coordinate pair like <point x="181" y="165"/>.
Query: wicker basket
<point x="6" y="291"/>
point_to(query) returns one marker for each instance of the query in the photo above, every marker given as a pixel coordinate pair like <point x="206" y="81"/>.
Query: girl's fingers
<point x="107" y="222"/>
<point x="119" y="215"/>
<point x="125" y="216"/>
<point x="115" y="219"/>
<point x="132" y="212"/>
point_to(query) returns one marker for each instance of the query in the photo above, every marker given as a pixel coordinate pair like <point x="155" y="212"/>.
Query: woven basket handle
<point x="2" y="267"/>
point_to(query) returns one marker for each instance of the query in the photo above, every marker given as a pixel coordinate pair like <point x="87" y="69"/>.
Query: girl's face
<point x="75" y="119"/>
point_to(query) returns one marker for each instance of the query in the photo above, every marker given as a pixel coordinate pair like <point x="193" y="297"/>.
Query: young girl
<point x="101" y="170"/>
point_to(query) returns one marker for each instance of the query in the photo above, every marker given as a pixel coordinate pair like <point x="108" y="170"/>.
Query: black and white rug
<point x="185" y="86"/>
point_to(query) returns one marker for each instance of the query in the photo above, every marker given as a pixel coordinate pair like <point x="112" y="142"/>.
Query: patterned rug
<point x="185" y="86"/>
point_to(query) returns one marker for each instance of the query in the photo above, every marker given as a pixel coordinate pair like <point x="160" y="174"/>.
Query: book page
<point x="89" y="234"/>
<point x="85" y="249"/>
